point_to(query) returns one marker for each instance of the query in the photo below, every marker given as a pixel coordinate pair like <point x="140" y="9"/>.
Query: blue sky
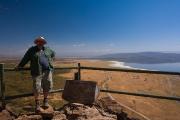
<point x="90" y="27"/>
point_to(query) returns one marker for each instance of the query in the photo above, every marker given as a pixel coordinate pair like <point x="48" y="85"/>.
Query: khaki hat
<point x="40" y="40"/>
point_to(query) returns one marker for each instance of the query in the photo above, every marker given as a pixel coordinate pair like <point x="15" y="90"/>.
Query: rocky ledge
<point x="103" y="109"/>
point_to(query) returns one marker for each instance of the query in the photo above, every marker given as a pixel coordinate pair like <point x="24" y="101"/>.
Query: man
<point x="40" y="58"/>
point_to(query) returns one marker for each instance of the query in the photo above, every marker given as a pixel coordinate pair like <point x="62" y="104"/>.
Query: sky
<point x="90" y="27"/>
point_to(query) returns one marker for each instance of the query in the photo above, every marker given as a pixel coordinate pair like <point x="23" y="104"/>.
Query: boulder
<point x="5" y="115"/>
<point x="109" y="105"/>
<point x="47" y="112"/>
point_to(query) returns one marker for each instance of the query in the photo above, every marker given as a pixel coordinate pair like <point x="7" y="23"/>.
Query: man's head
<point x="40" y="41"/>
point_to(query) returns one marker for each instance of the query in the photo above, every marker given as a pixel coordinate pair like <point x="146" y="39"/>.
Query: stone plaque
<point x="77" y="91"/>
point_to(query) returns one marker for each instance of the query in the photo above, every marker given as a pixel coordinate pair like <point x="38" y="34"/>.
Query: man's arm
<point x="25" y="59"/>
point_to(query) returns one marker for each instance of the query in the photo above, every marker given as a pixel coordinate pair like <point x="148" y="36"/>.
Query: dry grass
<point x="155" y="109"/>
<point x="20" y="82"/>
<point x="134" y="82"/>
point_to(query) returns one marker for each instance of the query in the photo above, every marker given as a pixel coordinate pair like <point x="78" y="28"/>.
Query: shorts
<point x="43" y="81"/>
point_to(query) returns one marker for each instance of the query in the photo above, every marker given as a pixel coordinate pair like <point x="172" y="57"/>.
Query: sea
<point x="171" y="67"/>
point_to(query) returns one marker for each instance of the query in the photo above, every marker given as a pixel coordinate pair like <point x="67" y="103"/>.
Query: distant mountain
<point x="8" y="57"/>
<point x="143" y="57"/>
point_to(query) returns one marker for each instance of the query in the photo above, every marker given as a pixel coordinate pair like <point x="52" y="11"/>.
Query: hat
<point x="40" y="40"/>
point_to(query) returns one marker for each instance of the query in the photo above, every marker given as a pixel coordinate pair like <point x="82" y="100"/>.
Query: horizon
<point x="90" y="28"/>
<point x="11" y="56"/>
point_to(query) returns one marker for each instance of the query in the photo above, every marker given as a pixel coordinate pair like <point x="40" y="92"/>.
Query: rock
<point x="30" y="117"/>
<point x="5" y="115"/>
<point x="59" y="116"/>
<point x="29" y="108"/>
<point x="76" y="111"/>
<point x="47" y="112"/>
<point x="104" y="109"/>
<point x="109" y="105"/>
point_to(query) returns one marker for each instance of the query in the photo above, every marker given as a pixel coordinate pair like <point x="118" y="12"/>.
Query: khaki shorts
<point x="43" y="81"/>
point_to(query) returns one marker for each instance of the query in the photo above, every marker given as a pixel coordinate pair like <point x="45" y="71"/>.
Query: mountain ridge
<point x="143" y="57"/>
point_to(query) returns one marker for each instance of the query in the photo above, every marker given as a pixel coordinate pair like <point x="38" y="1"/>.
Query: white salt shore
<point x="119" y="65"/>
<point x="122" y="65"/>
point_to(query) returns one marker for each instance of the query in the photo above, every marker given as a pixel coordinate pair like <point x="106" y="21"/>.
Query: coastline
<point x="170" y="67"/>
<point x="118" y="64"/>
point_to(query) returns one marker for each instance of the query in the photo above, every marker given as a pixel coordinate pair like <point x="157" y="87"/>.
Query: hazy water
<point x="174" y="67"/>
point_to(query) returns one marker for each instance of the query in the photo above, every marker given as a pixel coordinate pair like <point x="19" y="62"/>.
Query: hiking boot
<point x="45" y="103"/>
<point x="37" y="106"/>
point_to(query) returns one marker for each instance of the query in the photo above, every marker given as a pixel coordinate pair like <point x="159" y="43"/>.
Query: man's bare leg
<point x="37" y="102"/>
<point x="45" y="101"/>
